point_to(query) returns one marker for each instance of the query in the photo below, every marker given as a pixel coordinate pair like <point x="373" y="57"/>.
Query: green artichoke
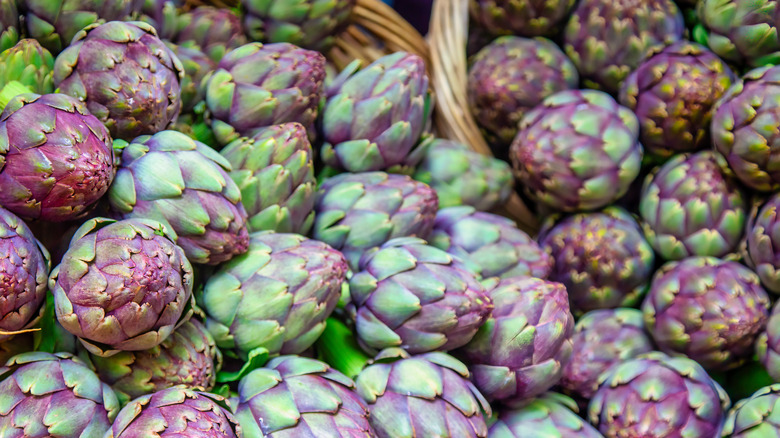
<point x="312" y="24"/>
<point x="673" y="93"/>
<point x="691" y="206"/>
<point x="126" y="76"/>
<point x="520" y="17"/>
<point x="422" y="396"/>
<point x="606" y="39"/>
<point x="602" y="258"/>
<point x="768" y="344"/>
<point x="275" y="172"/>
<point x="510" y="76"/>
<point x="762" y="240"/>
<point x="28" y="63"/>
<point x="196" y="66"/>
<point x="9" y="23"/>
<point x="215" y="31"/>
<point x="373" y="119"/>
<point x="754" y="417"/>
<point x="550" y="416"/>
<point x="654" y="396"/>
<point x="122" y="285"/>
<point x="53" y="395"/>
<point x="577" y="150"/>
<point x="295" y="396"/>
<point x="184" y="184"/>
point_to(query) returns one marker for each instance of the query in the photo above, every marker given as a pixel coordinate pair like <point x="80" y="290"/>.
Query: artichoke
<point x="373" y="119"/>
<point x="654" y="396"/>
<point x="357" y="212"/>
<point x="754" y="417"/>
<point x="602" y="339"/>
<point x="176" y="412"/>
<point x="275" y="172"/>
<point x="577" y="150"/>
<point x="411" y="295"/>
<point x="763" y="240"/>
<point x="673" y="94"/>
<point x="602" y="258"/>
<point x="461" y="176"/>
<point x="312" y="24"/>
<point x="196" y="66"/>
<point x="53" y="395"/>
<point x="276" y="296"/>
<point x="691" y="206"/>
<point x="509" y="77"/>
<point x="126" y="76"/>
<point x="743" y="128"/>
<point x="184" y="184"/>
<point x="28" y="63"/>
<point x="521" y="350"/>
<point x="122" y="285"/>
<point x="489" y="244"/>
<point x="215" y="31"/>
<point x="422" y="396"/>
<point x="768" y="344"/>
<point x="9" y="24"/>
<point x="163" y="15"/>
<point x="295" y="396"/>
<point x="188" y="357"/>
<point x="258" y="85"/>
<point x="56" y="159"/>
<point x="520" y="17"/>
<point x="549" y="416"/>
<point x="606" y="39"/>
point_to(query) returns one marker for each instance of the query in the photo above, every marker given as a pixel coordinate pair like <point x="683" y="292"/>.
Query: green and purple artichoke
<point x="186" y="185"/>
<point x="275" y="296"/>
<point x="549" y="416"/>
<point x="520" y="17"/>
<point x="768" y="344"/>
<point x="577" y="150"/>
<point x="259" y="85"/>
<point x="125" y="74"/>
<point x="417" y="297"/>
<point x="53" y="395"/>
<point x="28" y="63"/>
<point x="176" y="412"/>
<point x="490" y="245"/>
<point x="673" y="93"/>
<point x="274" y="170"/>
<point x="510" y="76"/>
<point x="122" y="285"/>
<point x="373" y="119"/>
<point x="427" y="395"/>
<point x="215" y="31"/>
<point x="357" y="212"/>
<point x="691" y="206"/>
<point x="521" y="350"/>
<point x="163" y="15"/>
<point x="56" y="159"/>
<point x="9" y="23"/>
<point x="607" y="39"/>
<point x="754" y="417"/>
<point x="603" y="339"/>
<point x="312" y="24"/>
<point x="763" y="241"/>
<point x="602" y="258"/>
<point x="295" y="396"/>
<point x="196" y="66"/>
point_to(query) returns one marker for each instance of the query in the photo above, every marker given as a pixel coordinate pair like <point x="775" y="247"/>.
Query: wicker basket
<point x="448" y="36"/>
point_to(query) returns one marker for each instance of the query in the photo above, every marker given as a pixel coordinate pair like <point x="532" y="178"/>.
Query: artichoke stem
<point x="337" y="346"/>
<point x="11" y="90"/>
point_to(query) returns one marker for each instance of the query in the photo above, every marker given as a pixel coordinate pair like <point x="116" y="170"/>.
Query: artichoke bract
<point x="122" y="285"/>
<point x="196" y="66"/>
<point x="373" y="119"/>
<point x="125" y="74"/>
<point x="215" y="31"/>
<point x="417" y="297"/>
<point x="742" y="128"/>
<point x="763" y="237"/>
<point x="258" y="85"/>
<point x="188" y="356"/>
<point x="510" y="76"/>
<point x="312" y="24"/>
<point x="184" y="184"/>
<point x="521" y="350"/>
<point x="461" y="176"/>
<point x="520" y="17"/>
<point x="606" y="39"/>
<point x="673" y="93"/>
<point x="613" y="238"/>
<point x="176" y="412"/>
<point x="577" y="150"/>
<point x="357" y="212"/>
<point x="274" y="170"/>
<point x="422" y="396"/>
<point x="54" y="395"/>
<point x="56" y="159"/>
<point x="24" y="271"/>
<point x="296" y="396"/>
<point x="489" y="244"/>
<point x="549" y="416"/>
<point x="602" y="339"/>
<point x="768" y="344"/>
<point x="691" y="206"/>
<point x="754" y="417"/>
<point x="30" y="64"/>
<point x="276" y="296"/>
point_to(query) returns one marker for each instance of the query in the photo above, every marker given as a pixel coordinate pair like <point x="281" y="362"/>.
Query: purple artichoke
<point x="163" y="16"/>
<point x="215" y="31"/>
<point x="520" y="17"/>
<point x="763" y="239"/>
<point x="768" y="344"/>
<point x="550" y="416"/>
<point x="754" y="417"/>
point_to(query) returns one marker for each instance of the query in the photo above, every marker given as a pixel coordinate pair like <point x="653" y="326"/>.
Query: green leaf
<point x="256" y="359"/>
